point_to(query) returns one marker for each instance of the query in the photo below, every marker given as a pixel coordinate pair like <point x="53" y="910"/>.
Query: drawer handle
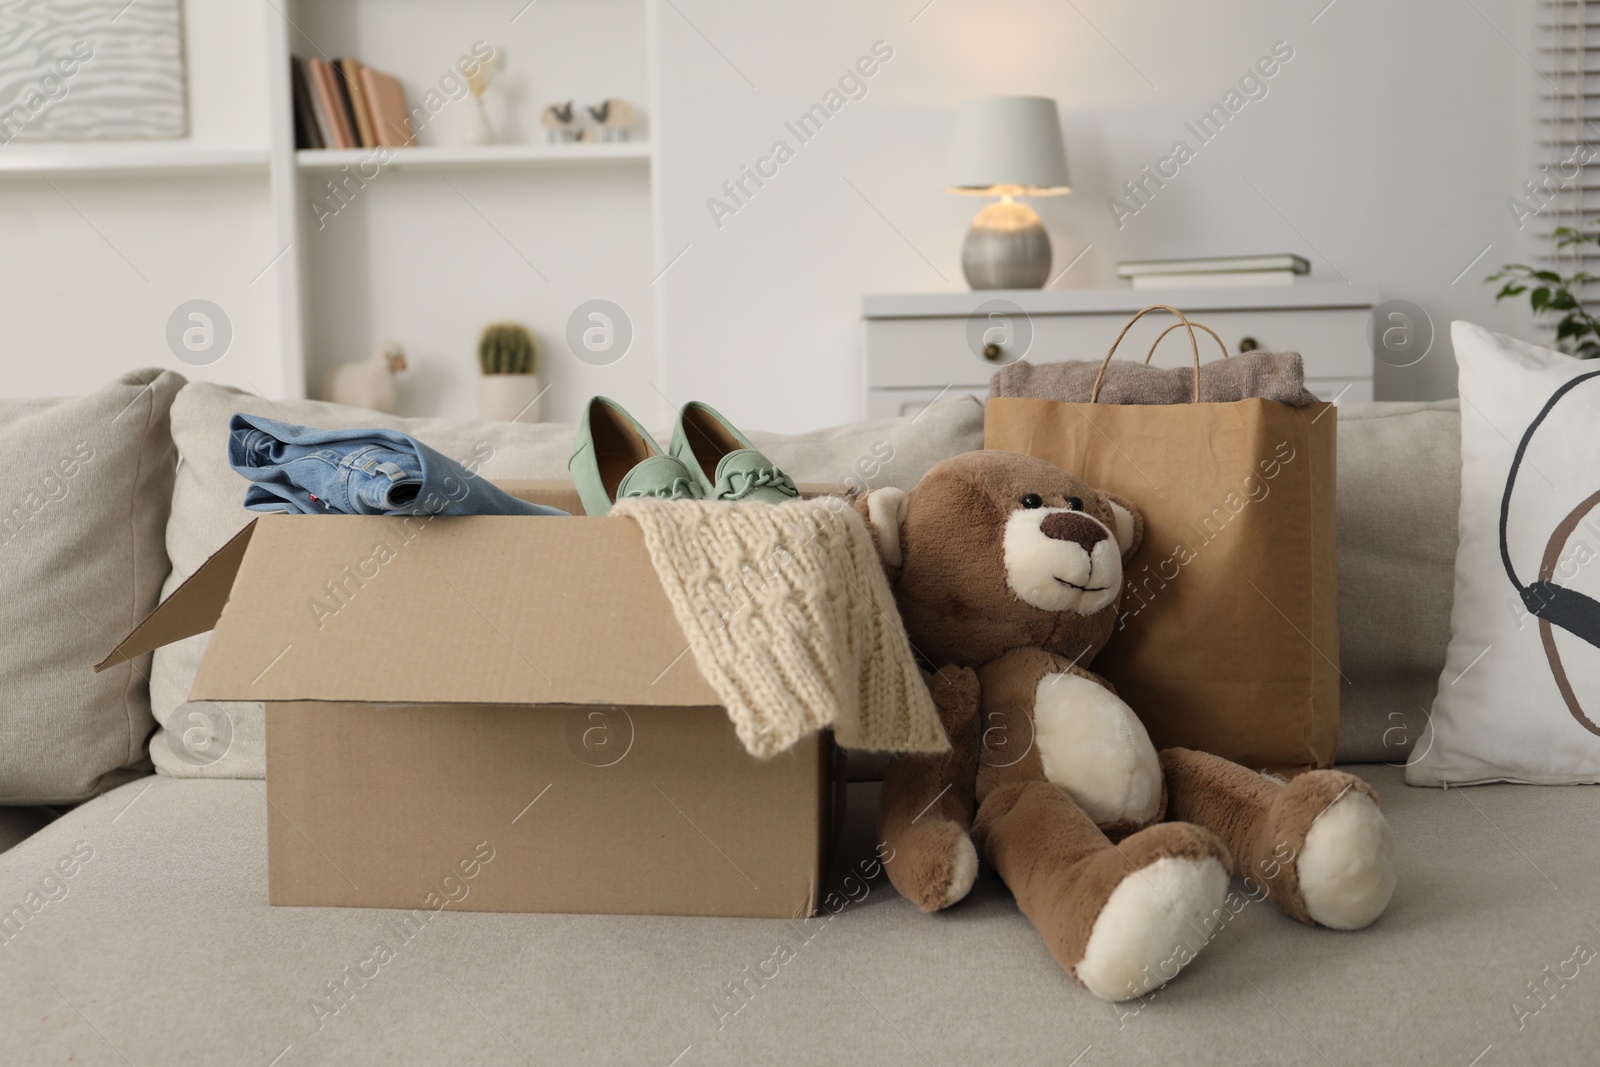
<point x="1248" y="344"/>
<point x="993" y="353"/>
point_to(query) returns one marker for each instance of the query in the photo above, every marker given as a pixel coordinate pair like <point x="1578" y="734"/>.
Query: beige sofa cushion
<point x="1399" y="491"/>
<point x="84" y="491"/>
<point x="167" y="946"/>
<point x="214" y="740"/>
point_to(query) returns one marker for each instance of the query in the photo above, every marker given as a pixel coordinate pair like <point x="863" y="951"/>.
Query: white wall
<point x="1389" y="144"/>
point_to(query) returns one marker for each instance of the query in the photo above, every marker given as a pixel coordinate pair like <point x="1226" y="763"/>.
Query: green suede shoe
<point x="723" y="461"/>
<point x="614" y="457"/>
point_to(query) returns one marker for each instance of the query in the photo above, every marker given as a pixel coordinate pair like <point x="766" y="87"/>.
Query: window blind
<point x="1566" y="190"/>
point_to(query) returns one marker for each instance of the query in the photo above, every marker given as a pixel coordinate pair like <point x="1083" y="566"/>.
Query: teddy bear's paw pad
<point x="1347" y="867"/>
<point x="1150" y="927"/>
<point x="963" y="872"/>
<point x="1092" y="745"/>
<point x="934" y="865"/>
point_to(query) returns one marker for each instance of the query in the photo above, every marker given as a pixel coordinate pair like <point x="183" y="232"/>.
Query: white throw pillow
<point x="1519" y="698"/>
<point x="202" y="739"/>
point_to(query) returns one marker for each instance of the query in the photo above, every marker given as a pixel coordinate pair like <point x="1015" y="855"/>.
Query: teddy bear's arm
<point x="1047" y="717"/>
<point x="926" y="810"/>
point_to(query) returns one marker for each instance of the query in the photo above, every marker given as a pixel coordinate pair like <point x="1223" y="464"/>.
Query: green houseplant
<point x="508" y="389"/>
<point x="1550" y="293"/>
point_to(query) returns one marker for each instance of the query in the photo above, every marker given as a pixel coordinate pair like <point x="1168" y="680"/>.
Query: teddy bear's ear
<point x="1130" y="525"/>
<point x="885" y="510"/>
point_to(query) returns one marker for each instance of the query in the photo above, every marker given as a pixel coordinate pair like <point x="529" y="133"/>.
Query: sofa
<point x="135" y="928"/>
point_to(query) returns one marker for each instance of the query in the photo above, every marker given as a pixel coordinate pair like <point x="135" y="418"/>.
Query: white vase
<point x="508" y="397"/>
<point x="475" y="128"/>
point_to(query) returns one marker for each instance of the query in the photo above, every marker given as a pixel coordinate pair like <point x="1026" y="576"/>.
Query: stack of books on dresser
<point x="1219" y="271"/>
<point x="343" y="103"/>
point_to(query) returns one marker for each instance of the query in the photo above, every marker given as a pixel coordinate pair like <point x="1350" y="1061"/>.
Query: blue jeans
<point x="299" y="470"/>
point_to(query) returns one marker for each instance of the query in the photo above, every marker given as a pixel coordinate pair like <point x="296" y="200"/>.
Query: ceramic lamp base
<point x="1006" y="248"/>
<point x="508" y="397"/>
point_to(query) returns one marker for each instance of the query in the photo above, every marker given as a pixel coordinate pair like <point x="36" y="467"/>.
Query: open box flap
<point x="477" y="609"/>
<point x="193" y="608"/>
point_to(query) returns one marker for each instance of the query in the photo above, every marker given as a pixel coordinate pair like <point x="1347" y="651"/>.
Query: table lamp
<point x="1007" y="146"/>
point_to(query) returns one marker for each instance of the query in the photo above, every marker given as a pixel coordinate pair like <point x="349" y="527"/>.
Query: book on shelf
<point x="351" y="70"/>
<point x="344" y="103"/>
<point x="330" y="104"/>
<point x="319" y="108"/>
<point x="307" y="131"/>
<point x="341" y="88"/>
<point x="1217" y="280"/>
<point x="386" y="102"/>
<point x="1286" y="262"/>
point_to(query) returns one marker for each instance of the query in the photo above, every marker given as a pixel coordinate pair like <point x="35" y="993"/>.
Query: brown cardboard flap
<point x="193" y="608"/>
<point x="477" y="609"/>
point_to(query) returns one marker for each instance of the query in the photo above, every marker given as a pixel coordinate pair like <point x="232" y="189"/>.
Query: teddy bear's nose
<point x="1072" y="526"/>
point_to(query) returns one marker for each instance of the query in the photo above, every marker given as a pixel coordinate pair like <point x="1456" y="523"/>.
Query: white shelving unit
<point x="105" y="240"/>
<point x="455" y="158"/>
<point x="426" y="245"/>
<point x="164" y="160"/>
<point x="317" y="256"/>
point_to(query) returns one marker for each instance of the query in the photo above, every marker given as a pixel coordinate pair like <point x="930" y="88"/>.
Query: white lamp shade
<point x="1007" y="145"/>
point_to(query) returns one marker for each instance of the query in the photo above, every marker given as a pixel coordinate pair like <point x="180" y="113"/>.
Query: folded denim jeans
<point x="300" y="470"/>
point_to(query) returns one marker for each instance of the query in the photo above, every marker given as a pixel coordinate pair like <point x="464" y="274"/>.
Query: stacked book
<point x="343" y="103"/>
<point x="1224" y="270"/>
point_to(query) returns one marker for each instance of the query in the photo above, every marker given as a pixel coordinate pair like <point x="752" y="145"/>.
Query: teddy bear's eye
<point x="1075" y="503"/>
<point x="1033" y="500"/>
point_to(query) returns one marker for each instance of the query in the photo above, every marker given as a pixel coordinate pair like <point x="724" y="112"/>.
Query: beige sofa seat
<point x="164" y="950"/>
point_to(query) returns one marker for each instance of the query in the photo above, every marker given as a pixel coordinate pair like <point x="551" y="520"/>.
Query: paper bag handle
<point x="1199" y="325"/>
<point x="1194" y="346"/>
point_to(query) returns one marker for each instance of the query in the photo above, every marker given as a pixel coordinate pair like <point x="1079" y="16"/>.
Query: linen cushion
<point x="203" y="739"/>
<point x="1399" y="491"/>
<point x="1519" y="698"/>
<point x="84" y="493"/>
<point x="874" y="455"/>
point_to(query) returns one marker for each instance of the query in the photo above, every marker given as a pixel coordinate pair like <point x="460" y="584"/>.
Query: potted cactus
<point x="509" y="387"/>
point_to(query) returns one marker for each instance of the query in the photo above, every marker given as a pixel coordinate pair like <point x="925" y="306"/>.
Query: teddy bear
<point x="1008" y="571"/>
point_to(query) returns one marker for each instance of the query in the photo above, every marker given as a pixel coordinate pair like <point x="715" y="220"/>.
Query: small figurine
<point x="370" y="383"/>
<point x="558" y="121"/>
<point x="616" y="117"/>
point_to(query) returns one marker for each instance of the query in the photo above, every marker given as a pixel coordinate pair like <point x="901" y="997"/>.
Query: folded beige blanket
<point x="1269" y="375"/>
<point x="791" y="621"/>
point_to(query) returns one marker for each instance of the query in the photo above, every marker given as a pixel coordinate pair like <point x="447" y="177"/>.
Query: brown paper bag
<point x="1228" y="635"/>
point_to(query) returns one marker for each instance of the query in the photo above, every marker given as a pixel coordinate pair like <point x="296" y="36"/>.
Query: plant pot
<point x="508" y="397"/>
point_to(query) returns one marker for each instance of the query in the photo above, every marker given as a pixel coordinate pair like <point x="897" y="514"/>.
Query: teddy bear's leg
<point x="1318" y="845"/>
<point x="1122" y="919"/>
<point x="925" y="811"/>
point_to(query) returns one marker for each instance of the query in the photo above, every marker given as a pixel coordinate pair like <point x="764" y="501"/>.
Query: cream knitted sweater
<point x="791" y="621"/>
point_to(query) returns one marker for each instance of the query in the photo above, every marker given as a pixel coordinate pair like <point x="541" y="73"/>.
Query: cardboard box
<point x="492" y="713"/>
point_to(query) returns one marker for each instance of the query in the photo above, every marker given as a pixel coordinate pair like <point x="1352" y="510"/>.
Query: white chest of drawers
<point x="923" y="346"/>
